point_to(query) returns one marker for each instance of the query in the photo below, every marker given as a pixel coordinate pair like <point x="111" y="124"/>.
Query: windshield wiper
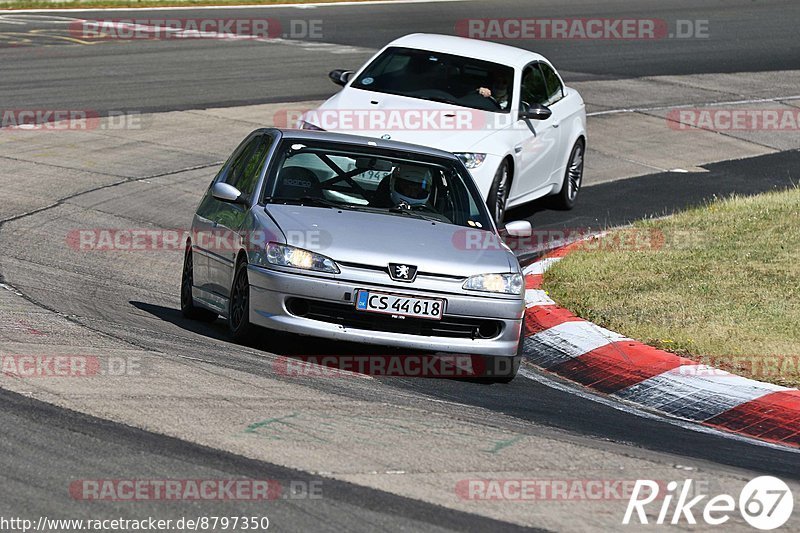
<point x="412" y="211"/>
<point x="439" y="99"/>
<point x="309" y="200"/>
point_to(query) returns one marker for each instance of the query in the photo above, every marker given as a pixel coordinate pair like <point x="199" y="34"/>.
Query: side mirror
<point x="340" y="77"/>
<point x="519" y="228"/>
<point x="227" y="193"/>
<point x="535" y="112"/>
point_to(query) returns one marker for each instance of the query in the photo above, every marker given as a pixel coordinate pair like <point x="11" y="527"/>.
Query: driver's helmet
<point x="410" y="185"/>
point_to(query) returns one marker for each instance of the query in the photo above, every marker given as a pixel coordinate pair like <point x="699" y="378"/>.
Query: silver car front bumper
<point x="271" y="290"/>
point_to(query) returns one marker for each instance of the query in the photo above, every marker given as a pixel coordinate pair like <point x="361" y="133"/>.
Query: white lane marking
<point x="619" y="405"/>
<point x="539" y="267"/>
<point x="6" y="20"/>
<point x="179" y="33"/>
<point x="332" y="48"/>
<point x="573" y="339"/>
<point x="692" y="105"/>
<point x="28" y="19"/>
<point x="696" y="392"/>
<point x="246" y="6"/>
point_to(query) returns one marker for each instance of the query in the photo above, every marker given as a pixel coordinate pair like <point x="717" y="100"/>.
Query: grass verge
<point x="719" y="284"/>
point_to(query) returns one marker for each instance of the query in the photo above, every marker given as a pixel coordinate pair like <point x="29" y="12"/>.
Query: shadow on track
<point x="622" y="202"/>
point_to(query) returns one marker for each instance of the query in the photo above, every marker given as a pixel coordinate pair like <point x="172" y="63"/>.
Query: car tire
<point x="239" y="305"/>
<point x="573" y="178"/>
<point x="188" y="308"/>
<point x="498" y="193"/>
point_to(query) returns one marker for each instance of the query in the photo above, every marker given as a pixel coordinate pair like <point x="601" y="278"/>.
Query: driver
<point x="499" y="91"/>
<point x="410" y="185"/>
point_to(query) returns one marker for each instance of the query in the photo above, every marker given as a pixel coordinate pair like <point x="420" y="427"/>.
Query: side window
<point x="555" y="91"/>
<point x="246" y="168"/>
<point x="234" y="171"/>
<point x="534" y="88"/>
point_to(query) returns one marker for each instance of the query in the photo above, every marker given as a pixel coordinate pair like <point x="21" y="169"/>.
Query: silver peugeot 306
<point x="355" y="239"/>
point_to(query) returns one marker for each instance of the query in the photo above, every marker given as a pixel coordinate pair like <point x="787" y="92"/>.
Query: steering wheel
<point x="493" y="100"/>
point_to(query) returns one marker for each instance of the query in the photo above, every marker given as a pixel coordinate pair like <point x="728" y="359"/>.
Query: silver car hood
<point x="377" y="240"/>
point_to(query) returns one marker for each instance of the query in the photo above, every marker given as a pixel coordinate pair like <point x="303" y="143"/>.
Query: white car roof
<point x="487" y="51"/>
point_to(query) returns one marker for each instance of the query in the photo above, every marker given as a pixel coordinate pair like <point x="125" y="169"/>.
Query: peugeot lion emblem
<point x="400" y="272"/>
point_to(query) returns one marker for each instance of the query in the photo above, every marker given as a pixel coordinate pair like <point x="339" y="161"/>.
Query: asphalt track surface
<point x="36" y="472"/>
<point x="146" y="75"/>
<point x="42" y="447"/>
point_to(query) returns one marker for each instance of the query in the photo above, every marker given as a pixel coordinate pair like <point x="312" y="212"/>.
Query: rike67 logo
<point x="765" y="503"/>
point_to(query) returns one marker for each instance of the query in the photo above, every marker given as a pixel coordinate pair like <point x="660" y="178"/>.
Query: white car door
<point x="562" y="112"/>
<point x="538" y="142"/>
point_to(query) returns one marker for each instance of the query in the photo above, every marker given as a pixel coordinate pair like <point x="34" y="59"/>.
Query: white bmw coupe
<point x="504" y="111"/>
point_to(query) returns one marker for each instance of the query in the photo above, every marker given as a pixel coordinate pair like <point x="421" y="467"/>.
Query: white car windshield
<point x="439" y="77"/>
<point x="384" y="181"/>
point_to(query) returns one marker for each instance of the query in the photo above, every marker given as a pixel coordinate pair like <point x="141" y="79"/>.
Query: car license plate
<point x="401" y="306"/>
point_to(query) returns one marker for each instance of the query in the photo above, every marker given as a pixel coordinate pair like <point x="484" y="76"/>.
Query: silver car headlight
<point x="502" y="283"/>
<point x="289" y="256"/>
<point x="471" y="160"/>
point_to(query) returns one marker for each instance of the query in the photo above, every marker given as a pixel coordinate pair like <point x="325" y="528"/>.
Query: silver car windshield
<point x="439" y="77"/>
<point x="389" y="182"/>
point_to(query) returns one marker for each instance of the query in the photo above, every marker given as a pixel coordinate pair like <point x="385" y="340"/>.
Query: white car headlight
<point x="289" y="256"/>
<point x="502" y="283"/>
<point x="471" y="160"/>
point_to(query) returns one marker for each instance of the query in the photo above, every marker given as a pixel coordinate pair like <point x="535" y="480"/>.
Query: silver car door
<point x="217" y="221"/>
<point x="230" y="217"/>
